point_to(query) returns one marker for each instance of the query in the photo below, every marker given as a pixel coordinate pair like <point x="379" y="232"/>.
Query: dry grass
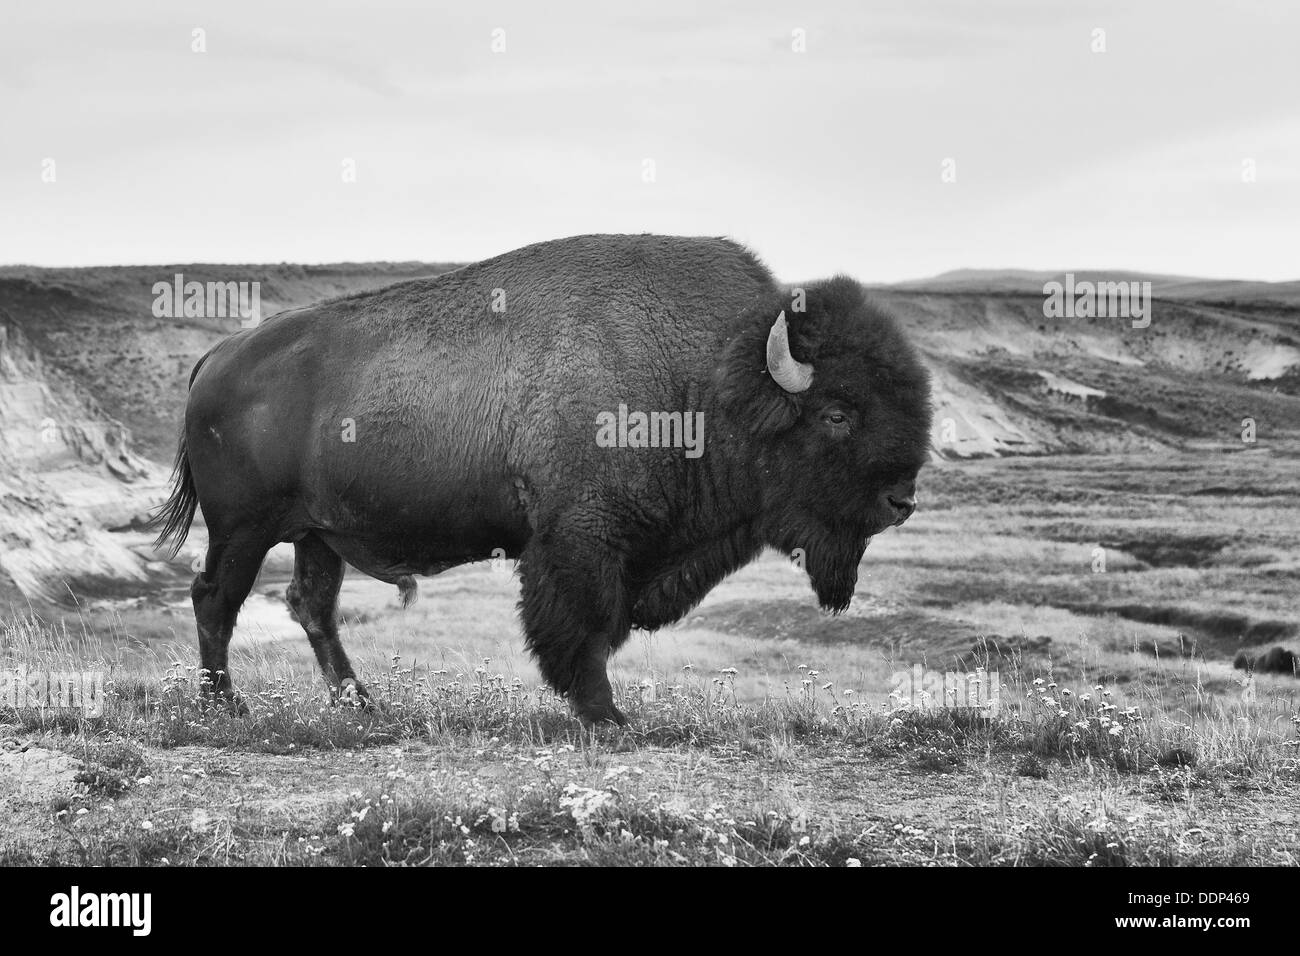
<point x="762" y="732"/>
<point x="511" y="803"/>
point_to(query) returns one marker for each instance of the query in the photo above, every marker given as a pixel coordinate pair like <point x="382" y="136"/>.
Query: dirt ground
<point x="224" y="806"/>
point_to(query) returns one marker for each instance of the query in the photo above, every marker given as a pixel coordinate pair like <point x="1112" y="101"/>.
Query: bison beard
<point x="833" y="569"/>
<point x="471" y="436"/>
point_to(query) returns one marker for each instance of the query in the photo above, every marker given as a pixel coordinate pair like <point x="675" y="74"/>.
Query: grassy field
<point x="1109" y="594"/>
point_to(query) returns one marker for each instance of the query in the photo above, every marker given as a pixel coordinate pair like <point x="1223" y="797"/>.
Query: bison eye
<point x="839" y="421"/>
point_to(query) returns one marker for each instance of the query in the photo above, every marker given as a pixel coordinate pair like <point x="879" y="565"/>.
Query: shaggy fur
<point x="425" y="425"/>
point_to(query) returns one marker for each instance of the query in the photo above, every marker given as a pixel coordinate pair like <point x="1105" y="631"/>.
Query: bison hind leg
<point x="218" y="592"/>
<point x="312" y="597"/>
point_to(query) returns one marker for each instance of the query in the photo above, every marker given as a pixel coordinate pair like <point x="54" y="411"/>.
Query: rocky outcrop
<point x="67" y="472"/>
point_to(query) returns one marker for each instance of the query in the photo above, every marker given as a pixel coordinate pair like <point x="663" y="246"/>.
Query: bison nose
<point x="903" y="506"/>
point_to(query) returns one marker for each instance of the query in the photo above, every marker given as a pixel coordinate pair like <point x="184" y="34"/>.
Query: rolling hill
<point x="92" y="385"/>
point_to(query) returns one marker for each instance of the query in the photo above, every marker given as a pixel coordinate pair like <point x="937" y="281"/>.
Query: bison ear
<point x="768" y="368"/>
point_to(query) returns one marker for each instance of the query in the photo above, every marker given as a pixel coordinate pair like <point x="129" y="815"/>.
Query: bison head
<point x="832" y="407"/>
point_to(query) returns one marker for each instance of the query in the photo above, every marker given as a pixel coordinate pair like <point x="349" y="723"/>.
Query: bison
<point x="1275" y="661"/>
<point x="502" y="409"/>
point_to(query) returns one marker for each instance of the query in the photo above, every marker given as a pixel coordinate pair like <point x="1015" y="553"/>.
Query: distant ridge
<point x="1031" y="282"/>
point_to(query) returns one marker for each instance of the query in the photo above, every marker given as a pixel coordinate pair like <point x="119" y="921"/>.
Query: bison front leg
<point x="574" y="609"/>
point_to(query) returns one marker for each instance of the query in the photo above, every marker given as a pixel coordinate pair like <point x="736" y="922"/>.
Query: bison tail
<point x="177" y="513"/>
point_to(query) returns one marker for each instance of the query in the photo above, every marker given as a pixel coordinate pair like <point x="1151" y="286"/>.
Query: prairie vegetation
<point x="763" y="732"/>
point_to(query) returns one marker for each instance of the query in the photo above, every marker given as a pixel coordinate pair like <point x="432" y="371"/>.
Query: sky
<point x="888" y="140"/>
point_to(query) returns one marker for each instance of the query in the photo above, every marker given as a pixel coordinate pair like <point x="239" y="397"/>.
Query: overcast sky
<point x="826" y="160"/>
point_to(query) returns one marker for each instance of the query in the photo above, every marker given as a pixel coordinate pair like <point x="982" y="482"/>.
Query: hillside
<point x="1016" y="382"/>
<point x="97" y="326"/>
<point x="67" y="473"/>
<point x="92" y="386"/>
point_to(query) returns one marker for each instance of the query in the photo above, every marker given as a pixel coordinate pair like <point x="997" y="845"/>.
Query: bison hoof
<point x="352" y="694"/>
<point x="593" y="715"/>
<point x="232" y="702"/>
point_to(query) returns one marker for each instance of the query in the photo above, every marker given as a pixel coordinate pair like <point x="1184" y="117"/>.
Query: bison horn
<point x="791" y="375"/>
